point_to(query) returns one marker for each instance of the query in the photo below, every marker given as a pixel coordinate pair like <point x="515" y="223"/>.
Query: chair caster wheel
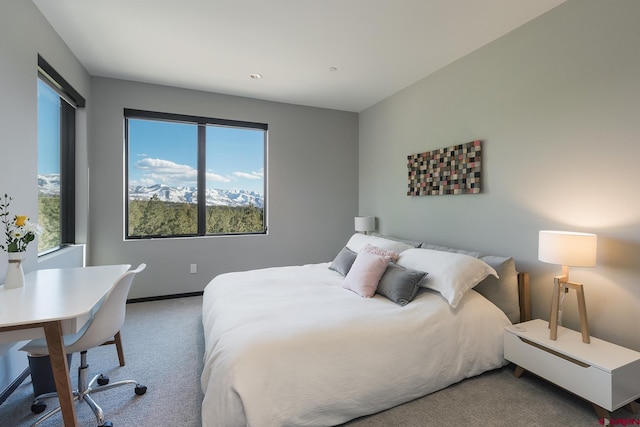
<point x="107" y="424"/>
<point x="140" y="389"/>
<point x="38" y="406"/>
<point x="103" y="380"/>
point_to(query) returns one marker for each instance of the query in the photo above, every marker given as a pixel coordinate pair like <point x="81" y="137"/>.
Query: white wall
<point x="312" y="177"/>
<point x="555" y="103"/>
<point x="24" y="33"/>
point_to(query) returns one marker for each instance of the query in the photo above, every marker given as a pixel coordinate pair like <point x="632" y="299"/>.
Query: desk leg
<point x="60" y="369"/>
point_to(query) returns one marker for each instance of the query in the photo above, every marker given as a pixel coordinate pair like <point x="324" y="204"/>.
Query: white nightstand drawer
<point x="602" y="373"/>
<point x="586" y="381"/>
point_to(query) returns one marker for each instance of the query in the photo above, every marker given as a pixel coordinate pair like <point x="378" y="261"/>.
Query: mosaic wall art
<point x="450" y="170"/>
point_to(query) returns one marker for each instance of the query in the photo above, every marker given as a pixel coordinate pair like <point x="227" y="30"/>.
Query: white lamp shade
<point x="365" y="223"/>
<point x="567" y="248"/>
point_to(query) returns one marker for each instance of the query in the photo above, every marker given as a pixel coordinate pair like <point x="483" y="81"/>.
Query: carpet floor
<point x="163" y="344"/>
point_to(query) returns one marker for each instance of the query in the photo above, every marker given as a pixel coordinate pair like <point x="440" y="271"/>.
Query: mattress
<point x="289" y="346"/>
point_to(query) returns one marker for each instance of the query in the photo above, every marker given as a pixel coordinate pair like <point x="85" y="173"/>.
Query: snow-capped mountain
<point x="215" y="197"/>
<point x="50" y="185"/>
<point x="164" y="193"/>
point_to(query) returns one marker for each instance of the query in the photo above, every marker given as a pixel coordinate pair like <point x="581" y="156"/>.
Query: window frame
<point x="201" y="122"/>
<point x="70" y="101"/>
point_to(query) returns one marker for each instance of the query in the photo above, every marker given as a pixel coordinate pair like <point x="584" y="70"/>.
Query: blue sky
<point x="48" y="130"/>
<point x="166" y="153"/>
<point x="163" y="152"/>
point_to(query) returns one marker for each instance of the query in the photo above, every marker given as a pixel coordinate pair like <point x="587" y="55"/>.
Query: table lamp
<point x="573" y="249"/>
<point x="365" y="223"/>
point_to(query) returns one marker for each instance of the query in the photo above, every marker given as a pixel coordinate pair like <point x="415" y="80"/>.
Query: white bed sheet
<point x="289" y="346"/>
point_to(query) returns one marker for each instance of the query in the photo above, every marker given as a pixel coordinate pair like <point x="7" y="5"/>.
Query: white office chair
<point x="102" y="327"/>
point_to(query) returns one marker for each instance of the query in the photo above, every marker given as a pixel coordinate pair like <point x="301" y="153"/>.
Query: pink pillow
<point x="365" y="274"/>
<point x="393" y="256"/>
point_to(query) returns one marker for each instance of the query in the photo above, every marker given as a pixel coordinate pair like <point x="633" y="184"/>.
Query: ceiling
<point x="376" y="47"/>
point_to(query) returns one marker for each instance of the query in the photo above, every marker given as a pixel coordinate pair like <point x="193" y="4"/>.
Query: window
<point x="193" y="176"/>
<point x="57" y="103"/>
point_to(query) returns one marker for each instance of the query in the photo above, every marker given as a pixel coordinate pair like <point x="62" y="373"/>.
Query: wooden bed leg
<point x="631" y="407"/>
<point x="601" y="412"/>
<point x="519" y="371"/>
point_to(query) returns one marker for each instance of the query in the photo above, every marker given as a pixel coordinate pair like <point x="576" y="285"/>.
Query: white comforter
<point x="290" y="347"/>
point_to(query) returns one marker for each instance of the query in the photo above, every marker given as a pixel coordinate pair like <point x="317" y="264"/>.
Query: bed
<point x="308" y="346"/>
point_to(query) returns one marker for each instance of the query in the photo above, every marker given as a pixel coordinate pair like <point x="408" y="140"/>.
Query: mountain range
<point x="215" y="197"/>
<point x="50" y="184"/>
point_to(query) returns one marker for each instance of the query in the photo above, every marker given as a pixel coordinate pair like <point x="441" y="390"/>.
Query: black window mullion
<point x="126" y="178"/>
<point x="202" y="179"/>
<point x="202" y="124"/>
<point x="68" y="178"/>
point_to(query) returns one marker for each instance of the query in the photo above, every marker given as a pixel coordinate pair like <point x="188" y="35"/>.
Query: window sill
<point x="68" y="256"/>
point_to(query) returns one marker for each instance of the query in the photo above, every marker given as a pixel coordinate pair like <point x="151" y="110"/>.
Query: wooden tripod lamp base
<point x="567" y="248"/>
<point x="559" y="285"/>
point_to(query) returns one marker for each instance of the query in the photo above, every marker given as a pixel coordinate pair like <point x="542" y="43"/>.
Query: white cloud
<point x="250" y="175"/>
<point x="216" y="178"/>
<point x="167" y="172"/>
<point x="144" y="182"/>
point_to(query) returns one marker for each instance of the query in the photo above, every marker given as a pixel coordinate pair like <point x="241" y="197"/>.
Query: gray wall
<point x="312" y="187"/>
<point x="312" y="170"/>
<point x="555" y="103"/>
<point x="24" y="33"/>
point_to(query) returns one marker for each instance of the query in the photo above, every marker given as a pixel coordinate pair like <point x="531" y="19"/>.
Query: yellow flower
<point x="21" y="220"/>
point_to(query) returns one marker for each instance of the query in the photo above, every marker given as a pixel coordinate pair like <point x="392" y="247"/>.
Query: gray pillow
<point x="400" y="284"/>
<point x="503" y="292"/>
<point x="343" y="261"/>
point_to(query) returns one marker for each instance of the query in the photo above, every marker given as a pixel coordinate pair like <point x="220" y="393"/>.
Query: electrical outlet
<point x="193" y="269"/>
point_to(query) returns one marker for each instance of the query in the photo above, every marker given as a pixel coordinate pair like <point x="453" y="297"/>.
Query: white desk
<point x="51" y="304"/>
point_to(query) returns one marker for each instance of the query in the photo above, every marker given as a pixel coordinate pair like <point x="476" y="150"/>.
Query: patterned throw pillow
<point x="391" y="255"/>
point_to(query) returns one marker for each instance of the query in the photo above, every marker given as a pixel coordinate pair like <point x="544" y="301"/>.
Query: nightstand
<point x="605" y="374"/>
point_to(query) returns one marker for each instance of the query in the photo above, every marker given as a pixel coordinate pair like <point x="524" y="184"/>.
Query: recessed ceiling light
<point x="256" y="76"/>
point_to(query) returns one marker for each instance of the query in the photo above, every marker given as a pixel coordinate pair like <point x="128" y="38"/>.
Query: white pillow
<point x="449" y="273"/>
<point x="358" y="241"/>
<point x="365" y="273"/>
